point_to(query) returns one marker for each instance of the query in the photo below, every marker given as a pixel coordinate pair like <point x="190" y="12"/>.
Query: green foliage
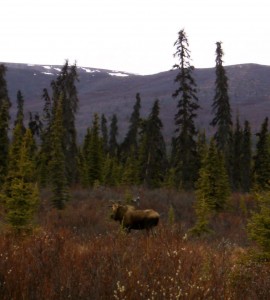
<point x="170" y="179"/>
<point x="4" y="142"/>
<point x="20" y="111"/>
<point x="93" y="157"/>
<point x="152" y="150"/>
<point x="259" y="225"/>
<point x="131" y="140"/>
<point x="130" y="174"/>
<point x="113" y="145"/>
<point x="262" y="158"/>
<point x="246" y="170"/>
<point x="111" y="171"/>
<point x="212" y="189"/>
<point x="57" y="168"/>
<point x="64" y="87"/>
<point x="104" y="133"/>
<point x="221" y="108"/>
<point x="21" y="194"/>
<point x="213" y="183"/>
<point x="185" y="153"/>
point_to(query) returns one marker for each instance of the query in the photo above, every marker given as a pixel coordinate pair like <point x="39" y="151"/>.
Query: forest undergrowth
<point x="80" y="253"/>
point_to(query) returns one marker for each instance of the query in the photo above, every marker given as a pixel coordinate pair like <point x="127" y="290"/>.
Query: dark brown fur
<point x="132" y="218"/>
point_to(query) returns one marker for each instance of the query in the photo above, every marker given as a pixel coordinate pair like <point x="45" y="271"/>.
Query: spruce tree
<point x="65" y="87"/>
<point x="113" y="145"/>
<point x="186" y="156"/>
<point x="22" y="196"/>
<point x="259" y="226"/>
<point x="20" y="111"/>
<point x="17" y="136"/>
<point x="152" y="150"/>
<point x="131" y="170"/>
<point x="104" y="133"/>
<point x="46" y="146"/>
<point x="221" y="109"/>
<point x="4" y="124"/>
<point x="93" y="154"/>
<point x="131" y="139"/>
<point x="246" y="159"/>
<point x="237" y="157"/>
<point x="262" y="158"/>
<point x="35" y="124"/>
<point x="213" y="186"/>
<point x="58" y="176"/>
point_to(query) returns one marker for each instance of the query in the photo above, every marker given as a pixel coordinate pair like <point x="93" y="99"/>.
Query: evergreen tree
<point x="221" y="109"/>
<point x="213" y="186"/>
<point x="93" y="154"/>
<point x="65" y="87"/>
<point x="186" y="156"/>
<point x="130" y="173"/>
<point x="152" y="151"/>
<point x="104" y="133"/>
<point x="4" y="124"/>
<point x="46" y="145"/>
<point x="35" y="124"/>
<point x="131" y="139"/>
<point x="246" y="158"/>
<point x="259" y="226"/>
<point x="111" y="171"/>
<point x="20" y="111"/>
<point x="113" y="145"/>
<point x="57" y="163"/>
<point x="262" y="158"/>
<point x="22" y="196"/>
<point x="237" y="157"/>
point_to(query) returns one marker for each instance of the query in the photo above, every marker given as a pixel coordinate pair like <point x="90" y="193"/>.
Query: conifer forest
<point x="211" y="190"/>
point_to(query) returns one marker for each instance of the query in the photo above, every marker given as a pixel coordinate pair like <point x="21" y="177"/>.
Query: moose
<point x="132" y="218"/>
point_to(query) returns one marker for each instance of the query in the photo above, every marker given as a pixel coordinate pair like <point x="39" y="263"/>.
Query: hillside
<point x="108" y="92"/>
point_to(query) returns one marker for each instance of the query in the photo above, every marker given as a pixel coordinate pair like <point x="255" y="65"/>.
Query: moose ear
<point x="112" y="203"/>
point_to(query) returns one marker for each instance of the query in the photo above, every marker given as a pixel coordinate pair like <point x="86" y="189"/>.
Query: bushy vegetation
<point x="80" y="253"/>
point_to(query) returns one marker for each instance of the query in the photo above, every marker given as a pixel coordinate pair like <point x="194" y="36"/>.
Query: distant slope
<point x="108" y="92"/>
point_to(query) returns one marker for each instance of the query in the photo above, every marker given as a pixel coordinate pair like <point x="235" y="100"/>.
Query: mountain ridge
<point x="110" y="91"/>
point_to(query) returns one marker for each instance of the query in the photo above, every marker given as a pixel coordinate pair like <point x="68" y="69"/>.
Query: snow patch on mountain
<point x="119" y="74"/>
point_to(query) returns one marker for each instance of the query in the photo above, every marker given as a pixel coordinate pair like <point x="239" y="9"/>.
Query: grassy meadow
<point x="80" y="253"/>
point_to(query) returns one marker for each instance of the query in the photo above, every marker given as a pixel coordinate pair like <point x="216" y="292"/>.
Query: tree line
<point x="46" y="153"/>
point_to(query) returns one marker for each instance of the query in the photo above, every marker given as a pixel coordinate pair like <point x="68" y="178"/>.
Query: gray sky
<point x="135" y="36"/>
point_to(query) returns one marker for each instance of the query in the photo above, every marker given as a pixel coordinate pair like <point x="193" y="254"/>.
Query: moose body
<point x="132" y="218"/>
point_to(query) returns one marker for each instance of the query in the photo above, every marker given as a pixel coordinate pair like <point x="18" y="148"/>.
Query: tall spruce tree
<point x="186" y="156"/>
<point x="104" y="133"/>
<point x="93" y="154"/>
<point x="246" y="171"/>
<point x="65" y="87"/>
<point x="152" y="150"/>
<point x="131" y="139"/>
<point x="221" y="109"/>
<point x="237" y="157"/>
<point x="46" y="145"/>
<point x="259" y="226"/>
<point x="212" y="188"/>
<point x="20" y="111"/>
<point x="113" y="145"/>
<point x="57" y="167"/>
<point x="262" y="158"/>
<point x="22" y="196"/>
<point x="4" y="124"/>
<point x="17" y="136"/>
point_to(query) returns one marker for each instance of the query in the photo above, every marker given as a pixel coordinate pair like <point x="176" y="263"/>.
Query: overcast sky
<point x="136" y="36"/>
